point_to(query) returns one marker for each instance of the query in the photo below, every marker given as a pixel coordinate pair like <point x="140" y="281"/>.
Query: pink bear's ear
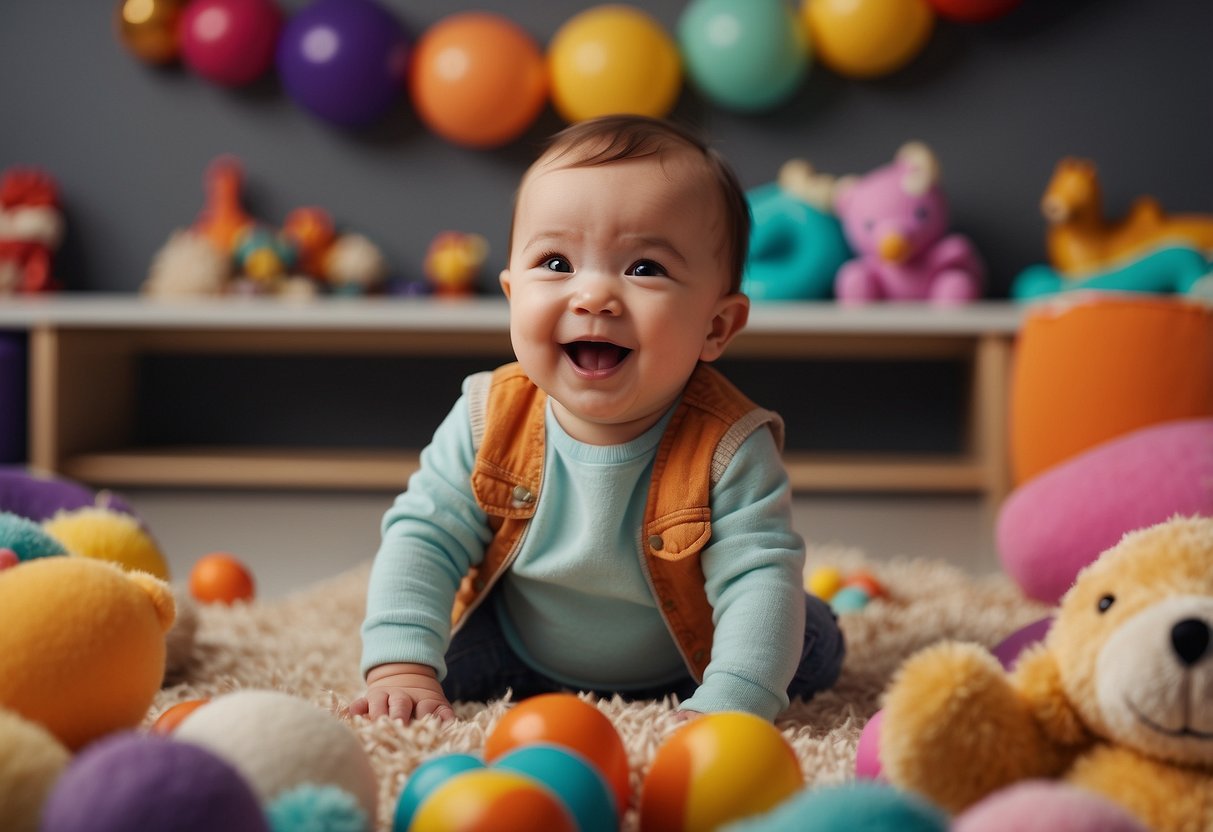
<point x="920" y="166"/>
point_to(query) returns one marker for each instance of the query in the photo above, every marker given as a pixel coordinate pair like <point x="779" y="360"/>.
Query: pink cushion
<point x="1061" y="520"/>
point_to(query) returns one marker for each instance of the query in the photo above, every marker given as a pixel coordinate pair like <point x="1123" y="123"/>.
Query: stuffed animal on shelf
<point x="1115" y="699"/>
<point x="896" y="220"/>
<point x="453" y="262"/>
<point x="31" y="228"/>
<point x="1080" y="241"/>
<point x="82" y="645"/>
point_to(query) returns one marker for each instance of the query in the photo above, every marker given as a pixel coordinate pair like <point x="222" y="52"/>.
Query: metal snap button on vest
<point x="668" y="604"/>
<point x="522" y="494"/>
<point x="656" y="543"/>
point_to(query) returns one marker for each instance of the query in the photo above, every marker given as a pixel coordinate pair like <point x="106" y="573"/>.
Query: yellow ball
<point x="613" y="59"/>
<point x="824" y="582"/>
<point x="716" y="769"/>
<point x="867" y="38"/>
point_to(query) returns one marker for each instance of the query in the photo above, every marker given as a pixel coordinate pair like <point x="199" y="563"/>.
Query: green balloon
<point x="746" y="55"/>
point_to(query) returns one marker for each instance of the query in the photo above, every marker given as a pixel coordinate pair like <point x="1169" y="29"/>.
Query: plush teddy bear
<point x="1118" y="698"/>
<point x="896" y="220"/>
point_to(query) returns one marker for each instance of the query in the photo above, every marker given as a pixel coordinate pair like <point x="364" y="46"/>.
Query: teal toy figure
<point x="796" y="242"/>
<point x="1170" y="269"/>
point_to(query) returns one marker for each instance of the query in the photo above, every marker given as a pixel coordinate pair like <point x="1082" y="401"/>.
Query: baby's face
<point x="618" y="287"/>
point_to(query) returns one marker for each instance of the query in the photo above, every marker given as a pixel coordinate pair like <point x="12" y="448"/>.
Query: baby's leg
<point x="480" y="666"/>
<point x="823" y="651"/>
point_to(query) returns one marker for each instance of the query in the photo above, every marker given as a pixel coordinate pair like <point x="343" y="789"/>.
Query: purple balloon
<point x="346" y="61"/>
<point x="135" y="781"/>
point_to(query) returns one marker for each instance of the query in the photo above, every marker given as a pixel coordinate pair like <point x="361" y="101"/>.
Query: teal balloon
<point x="795" y="248"/>
<point x="746" y="55"/>
<point x="574" y="780"/>
<point x="424" y="780"/>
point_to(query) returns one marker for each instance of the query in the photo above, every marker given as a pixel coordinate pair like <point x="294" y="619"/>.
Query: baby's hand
<point x="403" y="691"/>
<point x="686" y="716"/>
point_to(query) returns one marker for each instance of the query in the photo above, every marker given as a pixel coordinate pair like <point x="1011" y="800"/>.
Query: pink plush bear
<point x="896" y="220"/>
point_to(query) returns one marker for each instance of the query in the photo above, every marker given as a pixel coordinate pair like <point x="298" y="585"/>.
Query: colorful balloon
<point x="478" y="79"/>
<point x="973" y="11"/>
<point x="613" y="59"/>
<point x="716" y="769"/>
<point x="867" y="38"/>
<point x="230" y="42"/>
<point x="344" y="60"/>
<point x="745" y="55"/>
<point x="149" y="29"/>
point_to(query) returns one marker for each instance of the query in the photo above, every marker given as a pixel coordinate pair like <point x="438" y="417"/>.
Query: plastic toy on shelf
<point x="1080" y="241"/>
<point x="453" y="262"/>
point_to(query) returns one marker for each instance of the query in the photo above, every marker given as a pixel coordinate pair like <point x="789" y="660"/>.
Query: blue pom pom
<point x="311" y="808"/>
<point x="26" y="538"/>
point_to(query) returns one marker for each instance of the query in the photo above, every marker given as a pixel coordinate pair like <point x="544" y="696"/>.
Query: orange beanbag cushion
<point x="1095" y="368"/>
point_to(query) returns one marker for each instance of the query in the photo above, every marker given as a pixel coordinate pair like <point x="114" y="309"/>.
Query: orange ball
<point x="221" y="578"/>
<point x="563" y="719"/>
<point x="168" y="721"/>
<point x="149" y="29"/>
<point x="868" y="582"/>
<point x="478" y="79"/>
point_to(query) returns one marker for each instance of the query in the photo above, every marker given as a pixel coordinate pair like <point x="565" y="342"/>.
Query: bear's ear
<point x="920" y="166"/>
<point x="1037" y="677"/>
<point x="843" y="186"/>
<point x="161" y="596"/>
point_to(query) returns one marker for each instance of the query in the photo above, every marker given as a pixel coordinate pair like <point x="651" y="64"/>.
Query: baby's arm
<point x="403" y="691"/>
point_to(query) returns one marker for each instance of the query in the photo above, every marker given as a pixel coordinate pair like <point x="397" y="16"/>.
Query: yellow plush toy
<point x="1118" y="698"/>
<point x="108" y="535"/>
<point x="82" y="645"/>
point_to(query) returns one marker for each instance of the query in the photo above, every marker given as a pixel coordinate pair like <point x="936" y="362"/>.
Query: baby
<point x="608" y="514"/>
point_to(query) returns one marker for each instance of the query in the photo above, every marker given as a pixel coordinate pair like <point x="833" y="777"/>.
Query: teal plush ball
<point x="26" y="538"/>
<point x="746" y="55"/>
<point x="312" y="808"/>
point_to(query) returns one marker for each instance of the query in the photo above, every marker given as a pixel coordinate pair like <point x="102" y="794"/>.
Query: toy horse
<point x="1080" y="240"/>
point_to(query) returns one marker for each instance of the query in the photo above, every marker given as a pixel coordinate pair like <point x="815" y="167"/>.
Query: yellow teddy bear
<point x="82" y="645"/>
<point x="1118" y="698"/>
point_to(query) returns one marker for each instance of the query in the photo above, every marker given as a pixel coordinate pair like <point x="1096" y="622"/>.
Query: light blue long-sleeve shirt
<point x="576" y="604"/>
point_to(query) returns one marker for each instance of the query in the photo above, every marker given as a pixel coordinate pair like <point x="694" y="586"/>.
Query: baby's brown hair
<point x="617" y="137"/>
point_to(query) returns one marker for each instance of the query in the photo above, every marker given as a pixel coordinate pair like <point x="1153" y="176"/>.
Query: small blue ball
<point x="574" y="780"/>
<point x="850" y="599"/>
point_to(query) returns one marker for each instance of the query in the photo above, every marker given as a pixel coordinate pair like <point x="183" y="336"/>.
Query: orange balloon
<point x="148" y="28"/>
<point x="478" y="79"/>
<point x="221" y="578"/>
<point x="563" y="719"/>
<point x="168" y="721"/>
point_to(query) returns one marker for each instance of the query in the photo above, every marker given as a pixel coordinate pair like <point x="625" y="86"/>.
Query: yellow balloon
<point x="867" y="38"/>
<point x="148" y="28"/>
<point x="613" y="59"/>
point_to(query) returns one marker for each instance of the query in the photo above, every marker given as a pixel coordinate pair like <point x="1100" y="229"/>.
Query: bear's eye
<point x="1106" y="602"/>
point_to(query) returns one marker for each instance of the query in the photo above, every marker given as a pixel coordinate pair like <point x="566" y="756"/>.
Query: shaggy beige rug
<point x="307" y="644"/>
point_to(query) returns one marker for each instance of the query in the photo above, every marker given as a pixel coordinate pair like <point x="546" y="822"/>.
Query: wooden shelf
<point x="83" y="386"/>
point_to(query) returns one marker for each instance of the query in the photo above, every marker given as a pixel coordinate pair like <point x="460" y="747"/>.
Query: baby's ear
<point x="1037" y="676"/>
<point x="732" y="312"/>
<point x="504" y="280"/>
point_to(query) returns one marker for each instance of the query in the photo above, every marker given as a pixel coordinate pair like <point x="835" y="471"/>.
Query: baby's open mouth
<point x="596" y="355"/>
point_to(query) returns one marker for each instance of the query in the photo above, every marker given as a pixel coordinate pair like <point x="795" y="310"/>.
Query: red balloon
<point x="478" y="79"/>
<point x="973" y="11"/>
<point x="230" y="42"/>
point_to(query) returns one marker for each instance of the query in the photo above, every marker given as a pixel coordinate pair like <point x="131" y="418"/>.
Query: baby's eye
<point x="647" y="268"/>
<point x="1106" y="602"/>
<point x="556" y="263"/>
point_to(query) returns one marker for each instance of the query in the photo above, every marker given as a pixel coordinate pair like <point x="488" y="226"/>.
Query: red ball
<point x="563" y="719"/>
<point x="973" y="11"/>
<point x="230" y="42"/>
<point x="478" y="79"/>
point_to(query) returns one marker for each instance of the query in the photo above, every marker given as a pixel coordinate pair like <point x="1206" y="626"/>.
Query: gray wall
<point x="1126" y="83"/>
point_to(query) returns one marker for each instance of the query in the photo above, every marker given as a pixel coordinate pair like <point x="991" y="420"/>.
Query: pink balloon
<point x="230" y="42"/>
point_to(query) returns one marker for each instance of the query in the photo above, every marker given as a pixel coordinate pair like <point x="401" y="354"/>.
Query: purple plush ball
<point x="344" y="60"/>
<point x="1046" y="806"/>
<point x="38" y="497"/>
<point x="154" y="784"/>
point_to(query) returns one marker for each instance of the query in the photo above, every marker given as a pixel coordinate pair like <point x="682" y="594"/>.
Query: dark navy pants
<point x="481" y="665"/>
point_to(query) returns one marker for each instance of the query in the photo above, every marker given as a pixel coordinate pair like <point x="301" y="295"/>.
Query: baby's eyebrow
<point x="652" y="241"/>
<point x="549" y="238"/>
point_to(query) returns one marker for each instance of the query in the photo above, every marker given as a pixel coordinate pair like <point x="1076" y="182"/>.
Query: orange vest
<point x="712" y="420"/>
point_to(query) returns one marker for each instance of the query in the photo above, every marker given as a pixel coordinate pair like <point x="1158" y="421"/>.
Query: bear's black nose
<point x="1190" y="638"/>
